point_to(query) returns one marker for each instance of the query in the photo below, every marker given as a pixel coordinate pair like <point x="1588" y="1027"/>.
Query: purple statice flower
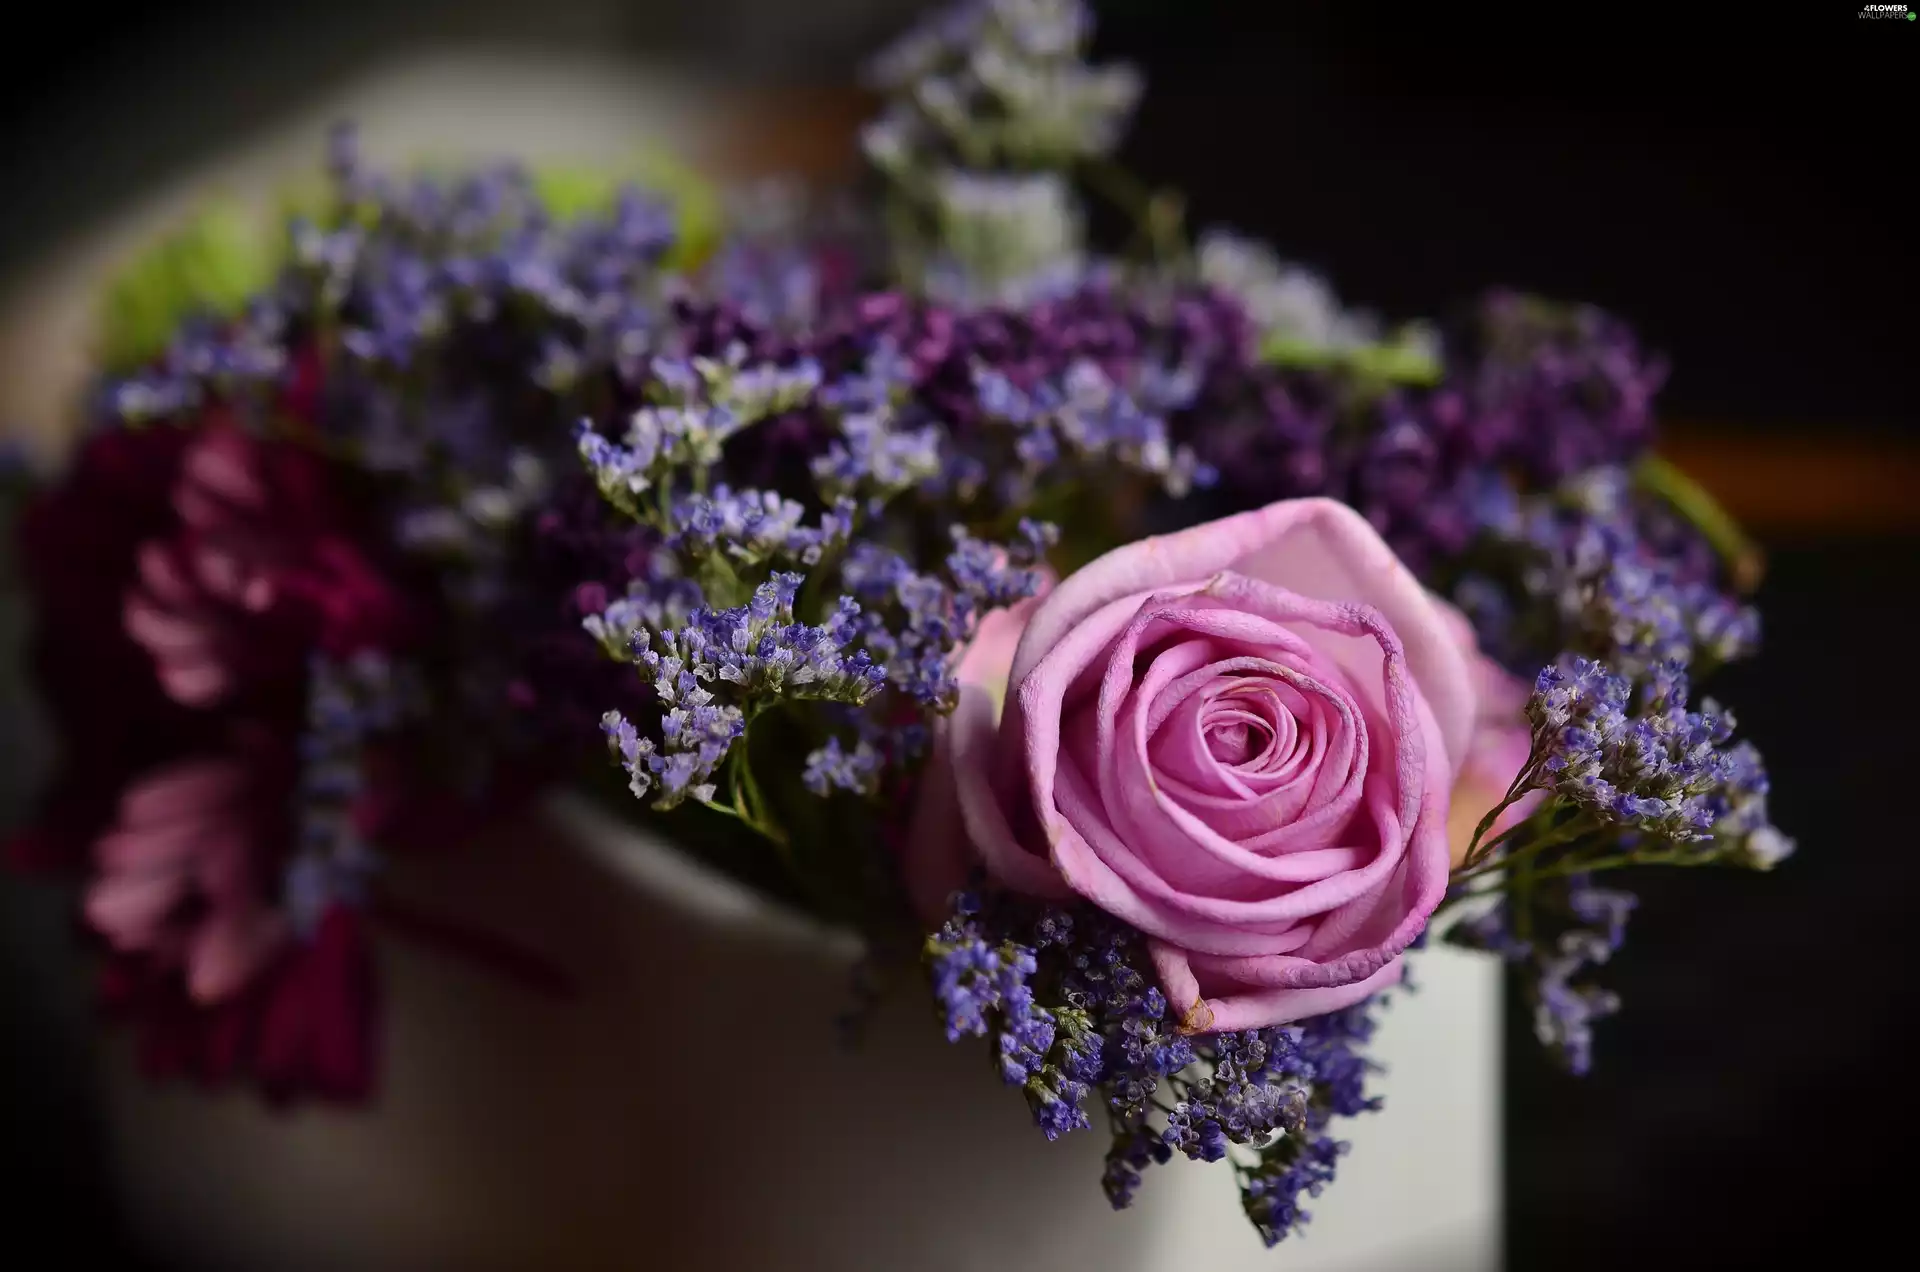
<point x="874" y="459"/>
<point x="1236" y="1104"/>
<point x="1083" y="416"/>
<point x="884" y="377"/>
<point x="349" y="703"/>
<point x="1332" y="1049"/>
<point x="750" y="527"/>
<point x="1564" y="388"/>
<point x="773" y="286"/>
<point x="1067" y="998"/>
<point x="1591" y="928"/>
<point x="237" y="361"/>
<point x="696" y="736"/>
<point x="400" y="311"/>
<point x="836" y="767"/>
<point x="980" y="981"/>
<point x="1299" y="1166"/>
<point x="1564" y="1013"/>
<point x="1741" y="823"/>
<point x="757" y="651"/>
<point x="1623" y="595"/>
<point x="1133" y="1150"/>
<point x="1635" y="757"/>
<point x="1323" y="1056"/>
<point x="916" y="623"/>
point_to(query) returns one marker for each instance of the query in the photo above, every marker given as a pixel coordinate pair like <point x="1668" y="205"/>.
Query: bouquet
<point x="1141" y="651"/>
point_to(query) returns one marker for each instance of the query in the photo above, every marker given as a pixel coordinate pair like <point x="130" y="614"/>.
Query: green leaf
<point x="720" y="583"/>
<point x="1401" y="360"/>
<point x="1397" y="362"/>
<point x="572" y="191"/>
<point x="1740" y="555"/>
<point x="1290" y="351"/>
<point x="209" y="266"/>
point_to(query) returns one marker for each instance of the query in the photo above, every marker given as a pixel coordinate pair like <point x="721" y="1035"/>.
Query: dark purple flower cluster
<point x="349" y="704"/>
<point x="1557" y="389"/>
<point x="1529" y="390"/>
<point x="1067" y="997"/>
<point x="1605" y="573"/>
<point x="915" y="621"/>
<point x="1591" y="925"/>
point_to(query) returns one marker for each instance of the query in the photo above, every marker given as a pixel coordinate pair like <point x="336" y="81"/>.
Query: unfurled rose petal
<point x="936" y="862"/>
<point x="1242" y="740"/>
<point x="1502" y="741"/>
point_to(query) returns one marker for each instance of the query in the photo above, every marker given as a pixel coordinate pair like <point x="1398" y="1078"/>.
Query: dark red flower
<point x="261" y="573"/>
<point x="304" y="1026"/>
<point x="188" y="871"/>
<point x="78" y="543"/>
<point x="183" y="579"/>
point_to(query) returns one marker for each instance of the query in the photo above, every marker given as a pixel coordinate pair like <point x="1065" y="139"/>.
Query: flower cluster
<point x="752" y="655"/>
<point x="496" y="475"/>
<point x="987" y="104"/>
<point x="1632" y="776"/>
<point x="1602" y="571"/>
<point x="1592" y="926"/>
<point x="351" y="706"/>
<point x="1069" y="1003"/>
<point x="1658" y="769"/>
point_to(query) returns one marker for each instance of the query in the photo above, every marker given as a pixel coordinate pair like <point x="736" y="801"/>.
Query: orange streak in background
<point x="1811" y="481"/>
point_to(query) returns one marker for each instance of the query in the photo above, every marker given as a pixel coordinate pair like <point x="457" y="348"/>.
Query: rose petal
<point x="1235" y="1009"/>
<point x="1314" y="547"/>
<point x="973" y="735"/>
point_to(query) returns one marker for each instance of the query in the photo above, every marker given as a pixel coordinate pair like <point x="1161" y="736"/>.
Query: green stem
<point x="1671" y="857"/>
<point x="1741" y="556"/>
<point x="746" y="804"/>
<point x="1157" y="217"/>
<point x="1476" y="853"/>
<point x="903" y="238"/>
<point x="1551" y="836"/>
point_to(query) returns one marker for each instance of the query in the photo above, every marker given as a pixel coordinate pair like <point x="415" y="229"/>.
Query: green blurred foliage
<point x="208" y="266"/>
<point x="1399" y="360"/>
<point x="574" y="191"/>
<point x="227" y="251"/>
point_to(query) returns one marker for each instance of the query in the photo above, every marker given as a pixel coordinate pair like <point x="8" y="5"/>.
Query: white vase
<point x="694" y="1107"/>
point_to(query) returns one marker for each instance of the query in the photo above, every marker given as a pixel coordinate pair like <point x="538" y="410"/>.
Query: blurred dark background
<point x="1743" y="208"/>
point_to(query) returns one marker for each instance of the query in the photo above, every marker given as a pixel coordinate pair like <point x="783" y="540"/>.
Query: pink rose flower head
<point x="1239" y="739"/>
<point x="1502" y="742"/>
<point x="259" y="575"/>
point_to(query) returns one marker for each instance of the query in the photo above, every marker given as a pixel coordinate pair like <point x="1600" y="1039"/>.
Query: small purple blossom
<point x="1641" y="759"/>
<point x="754" y="526"/>
<point x="1552" y="963"/>
<point x="837" y="767"/>
<point x="349" y="703"/>
<point x="1104" y="1028"/>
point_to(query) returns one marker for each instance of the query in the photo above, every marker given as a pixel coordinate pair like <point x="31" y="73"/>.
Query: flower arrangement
<point x="1146" y="647"/>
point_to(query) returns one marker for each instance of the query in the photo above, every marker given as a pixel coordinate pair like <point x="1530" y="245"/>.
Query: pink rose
<point x="1502" y="741"/>
<point x="1240" y="739"/>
